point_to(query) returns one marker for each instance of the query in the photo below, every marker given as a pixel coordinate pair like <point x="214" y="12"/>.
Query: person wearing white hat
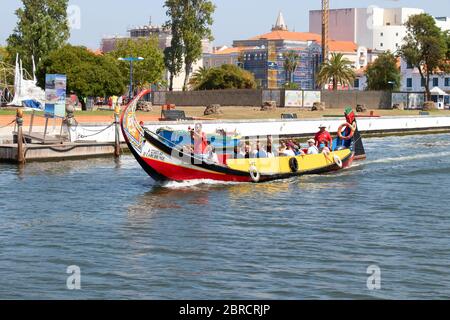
<point x="312" y="149"/>
<point x="323" y="138"/>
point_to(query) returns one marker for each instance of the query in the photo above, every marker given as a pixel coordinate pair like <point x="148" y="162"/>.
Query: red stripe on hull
<point x="177" y="173"/>
<point x="349" y="162"/>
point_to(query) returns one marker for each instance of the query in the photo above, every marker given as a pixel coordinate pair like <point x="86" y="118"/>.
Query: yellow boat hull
<point x="281" y="165"/>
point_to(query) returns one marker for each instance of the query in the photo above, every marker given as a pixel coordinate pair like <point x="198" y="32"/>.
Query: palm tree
<point x="291" y="61"/>
<point x="198" y="77"/>
<point x="338" y="70"/>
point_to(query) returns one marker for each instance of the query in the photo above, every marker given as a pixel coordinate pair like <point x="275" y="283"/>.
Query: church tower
<point x="280" y="25"/>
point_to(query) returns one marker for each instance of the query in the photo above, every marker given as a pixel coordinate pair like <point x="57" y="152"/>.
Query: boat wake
<point x="194" y="183"/>
<point x="409" y="158"/>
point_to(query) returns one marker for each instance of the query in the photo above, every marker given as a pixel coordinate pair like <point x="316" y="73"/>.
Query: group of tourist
<point x="322" y="143"/>
<point x="204" y="150"/>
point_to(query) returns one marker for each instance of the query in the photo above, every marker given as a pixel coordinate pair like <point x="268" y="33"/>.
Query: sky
<point x="233" y="19"/>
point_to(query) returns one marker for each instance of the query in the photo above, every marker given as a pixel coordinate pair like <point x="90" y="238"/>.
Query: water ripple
<point x="308" y="237"/>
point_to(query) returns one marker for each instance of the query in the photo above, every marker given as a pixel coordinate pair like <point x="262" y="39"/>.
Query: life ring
<point x="341" y="128"/>
<point x="293" y="164"/>
<point x="254" y="174"/>
<point x="338" y="161"/>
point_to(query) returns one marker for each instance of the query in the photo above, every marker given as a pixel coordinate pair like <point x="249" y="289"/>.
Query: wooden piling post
<point x="20" y="150"/>
<point x="117" y="130"/>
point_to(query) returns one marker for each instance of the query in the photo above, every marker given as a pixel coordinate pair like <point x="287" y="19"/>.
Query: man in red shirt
<point x="323" y="138"/>
<point x="200" y="141"/>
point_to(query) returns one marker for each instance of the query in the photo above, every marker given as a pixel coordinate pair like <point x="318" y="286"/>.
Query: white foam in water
<point x="408" y="158"/>
<point x="193" y="183"/>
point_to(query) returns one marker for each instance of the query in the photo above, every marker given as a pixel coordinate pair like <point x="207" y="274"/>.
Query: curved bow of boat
<point x="134" y="135"/>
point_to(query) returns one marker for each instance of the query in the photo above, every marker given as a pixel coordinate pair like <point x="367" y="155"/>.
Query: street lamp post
<point x="392" y="83"/>
<point x="131" y="60"/>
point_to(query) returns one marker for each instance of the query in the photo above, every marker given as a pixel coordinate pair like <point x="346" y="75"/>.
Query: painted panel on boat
<point x="280" y="165"/>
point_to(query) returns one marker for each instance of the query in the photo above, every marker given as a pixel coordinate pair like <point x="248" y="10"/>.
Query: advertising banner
<point x="416" y="100"/>
<point x="55" y="95"/>
<point x="309" y="97"/>
<point x="293" y="98"/>
<point x="400" y="98"/>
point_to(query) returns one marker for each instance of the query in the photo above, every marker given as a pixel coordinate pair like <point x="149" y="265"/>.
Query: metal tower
<point x="325" y="28"/>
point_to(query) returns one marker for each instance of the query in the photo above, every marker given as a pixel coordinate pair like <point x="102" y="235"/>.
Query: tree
<point x="42" y="27"/>
<point x="146" y="72"/>
<point x="291" y="61"/>
<point x="173" y="55"/>
<point x="291" y="86"/>
<point x="338" y="70"/>
<point x="198" y="77"/>
<point x="383" y="74"/>
<point x="447" y="40"/>
<point x="3" y="54"/>
<point x="227" y="77"/>
<point x="88" y="75"/>
<point x="190" y="20"/>
<point x="425" y="47"/>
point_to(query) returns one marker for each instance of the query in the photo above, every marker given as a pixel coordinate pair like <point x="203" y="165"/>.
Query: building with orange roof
<point x="264" y="55"/>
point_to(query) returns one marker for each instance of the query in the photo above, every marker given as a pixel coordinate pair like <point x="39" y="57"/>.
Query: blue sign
<point x="272" y="65"/>
<point x="55" y="95"/>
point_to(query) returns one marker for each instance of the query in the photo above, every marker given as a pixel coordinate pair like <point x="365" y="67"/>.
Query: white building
<point x="374" y="28"/>
<point x="221" y="56"/>
<point x="412" y="81"/>
<point x="443" y="23"/>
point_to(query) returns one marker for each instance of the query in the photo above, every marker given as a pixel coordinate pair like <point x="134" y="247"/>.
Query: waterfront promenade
<point x="228" y="113"/>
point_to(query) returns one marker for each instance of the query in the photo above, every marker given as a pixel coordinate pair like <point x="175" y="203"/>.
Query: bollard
<point x="20" y="151"/>
<point x="70" y="119"/>
<point x="117" y="140"/>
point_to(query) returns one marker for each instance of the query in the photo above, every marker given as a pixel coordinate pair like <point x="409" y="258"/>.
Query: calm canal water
<point x="310" y="237"/>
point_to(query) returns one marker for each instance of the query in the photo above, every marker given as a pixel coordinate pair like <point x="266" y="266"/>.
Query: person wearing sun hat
<point x="312" y="149"/>
<point x="323" y="138"/>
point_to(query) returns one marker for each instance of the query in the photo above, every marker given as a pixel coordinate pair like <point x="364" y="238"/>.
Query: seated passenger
<point x="212" y="156"/>
<point x="312" y="149"/>
<point x="238" y="153"/>
<point x="246" y="152"/>
<point x="260" y="152"/>
<point x="289" y="152"/>
<point x="269" y="151"/>
<point x="325" y="150"/>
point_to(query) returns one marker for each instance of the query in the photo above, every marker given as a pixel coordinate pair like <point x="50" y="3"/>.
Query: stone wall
<point x="250" y="97"/>
<point x="371" y="99"/>
<point x="245" y="97"/>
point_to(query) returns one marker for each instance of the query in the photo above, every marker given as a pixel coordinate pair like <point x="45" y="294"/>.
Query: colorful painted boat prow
<point x="166" y="160"/>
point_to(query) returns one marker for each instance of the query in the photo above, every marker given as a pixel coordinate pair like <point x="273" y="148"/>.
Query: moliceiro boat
<point x="166" y="159"/>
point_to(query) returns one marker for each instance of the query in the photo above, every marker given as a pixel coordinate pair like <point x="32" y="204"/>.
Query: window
<point x="409" y="82"/>
<point x="409" y="65"/>
<point x="381" y="34"/>
<point x="435" y="82"/>
<point x="381" y="44"/>
<point x="447" y="82"/>
<point x="396" y="34"/>
<point x="356" y="84"/>
<point x="422" y="82"/>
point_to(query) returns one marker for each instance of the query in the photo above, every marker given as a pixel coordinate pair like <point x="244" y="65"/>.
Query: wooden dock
<point x="58" y="152"/>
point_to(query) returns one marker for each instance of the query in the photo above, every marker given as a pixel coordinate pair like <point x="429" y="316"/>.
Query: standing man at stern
<point x="323" y="138"/>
